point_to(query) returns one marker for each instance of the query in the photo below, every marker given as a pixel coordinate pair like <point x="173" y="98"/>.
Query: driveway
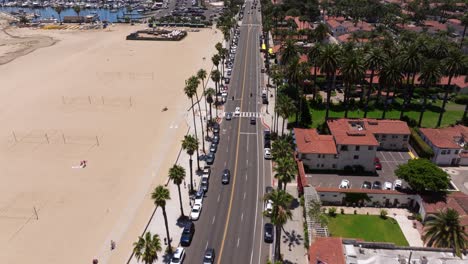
<point x="459" y="177"/>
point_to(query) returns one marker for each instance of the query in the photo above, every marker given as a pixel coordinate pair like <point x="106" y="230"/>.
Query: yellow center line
<point x="237" y="154"/>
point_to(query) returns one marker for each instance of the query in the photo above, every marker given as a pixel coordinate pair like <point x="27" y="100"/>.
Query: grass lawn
<point x="370" y="228"/>
<point x="453" y="113"/>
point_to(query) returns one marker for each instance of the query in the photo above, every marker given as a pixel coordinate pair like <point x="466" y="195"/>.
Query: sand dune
<point x="92" y="96"/>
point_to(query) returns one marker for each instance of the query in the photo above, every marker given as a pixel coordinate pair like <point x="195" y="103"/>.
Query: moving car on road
<point x="228" y="115"/>
<point x="268" y="233"/>
<point x="253" y="121"/>
<point x="237" y="111"/>
<point x="178" y="256"/>
<point x="209" y="256"/>
<point x="225" y="178"/>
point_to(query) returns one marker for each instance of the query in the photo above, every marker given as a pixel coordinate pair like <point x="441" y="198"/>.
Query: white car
<point x="178" y="256"/>
<point x="267" y="153"/>
<point x="344" y="184"/>
<point x="224" y="93"/>
<point x="196" y="210"/>
<point x="237" y="111"/>
<point x="269" y="207"/>
<point x="397" y="184"/>
<point x="387" y="186"/>
<point x="199" y="197"/>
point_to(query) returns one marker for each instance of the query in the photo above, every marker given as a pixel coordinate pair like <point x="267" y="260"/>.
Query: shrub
<point x="355" y="212"/>
<point x="342" y="211"/>
<point x="410" y="121"/>
<point x="421" y="147"/>
<point x="332" y="211"/>
<point x="383" y="213"/>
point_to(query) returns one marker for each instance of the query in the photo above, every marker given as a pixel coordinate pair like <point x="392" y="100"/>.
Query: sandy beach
<point x="69" y="96"/>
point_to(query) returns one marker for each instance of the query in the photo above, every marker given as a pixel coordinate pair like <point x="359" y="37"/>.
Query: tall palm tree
<point x="190" y="145"/>
<point x="285" y="170"/>
<point x="218" y="46"/>
<point x="464" y="21"/>
<point x="177" y="175"/>
<point x="216" y="59"/>
<point x="281" y="148"/>
<point x="453" y="66"/>
<point x="209" y="93"/>
<point x="147" y="248"/>
<point x="216" y="78"/>
<point x="329" y="61"/>
<point x="285" y="107"/>
<point x="223" y="53"/>
<point x="280" y="215"/>
<point x="391" y="77"/>
<point x="431" y="73"/>
<point x="195" y="82"/>
<point x="321" y="32"/>
<point x="77" y="10"/>
<point x="374" y="60"/>
<point x="288" y="52"/>
<point x="352" y="71"/>
<point x="190" y="91"/>
<point x="59" y="9"/>
<point x="411" y="59"/>
<point x="201" y="75"/>
<point x="445" y="230"/>
<point x="313" y="56"/>
<point x="160" y="195"/>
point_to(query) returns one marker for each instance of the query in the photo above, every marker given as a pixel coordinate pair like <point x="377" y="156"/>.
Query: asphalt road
<point x="231" y="221"/>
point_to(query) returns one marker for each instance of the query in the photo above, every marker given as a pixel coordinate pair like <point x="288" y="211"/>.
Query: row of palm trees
<point x="396" y="64"/>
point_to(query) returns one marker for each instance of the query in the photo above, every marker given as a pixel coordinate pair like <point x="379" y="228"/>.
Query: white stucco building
<point x="448" y="144"/>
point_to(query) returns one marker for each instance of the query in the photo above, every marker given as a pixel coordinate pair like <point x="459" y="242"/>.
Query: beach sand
<point x="90" y="96"/>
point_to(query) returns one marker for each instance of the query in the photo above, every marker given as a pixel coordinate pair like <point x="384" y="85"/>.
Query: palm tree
<point x="209" y="93"/>
<point x="177" y="175"/>
<point x="201" y="75"/>
<point x="285" y="107"/>
<point x="216" y="59"/>
<point x="431" y="73"/>
<point x="285" y="170"/>
<point x="312" y="56"/>
<point x="444" y="230"/>
<point x="77" y="10"/>
<point x="328" y="62"/>
<point x="411" y="60"/>
<point x="216" y="77"/>
<point x="390" y="76"/>
<point x="59" y="9"/>
<point x="352" y="71"/>
<point x="280" y="215"/>
<point x="453" y="66"/>
<point x="147" y="248"/>
<point x="190" y="144"/>
<point x="195" y="82"/>
<point x="289" y="52"/>
<point x="190" y="91"/>
<point x="321" y="32"/>
<point x="160" y="195"/>
<point x="281" y="148"/>
<point x="374" y="60"/>
<point x="464" y="21"/>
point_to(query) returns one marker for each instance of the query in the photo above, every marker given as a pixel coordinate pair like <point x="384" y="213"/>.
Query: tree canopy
<point x="423" y="175"/>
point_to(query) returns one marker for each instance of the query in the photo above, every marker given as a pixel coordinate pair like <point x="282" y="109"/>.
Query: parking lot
<point x="389" y="160"/>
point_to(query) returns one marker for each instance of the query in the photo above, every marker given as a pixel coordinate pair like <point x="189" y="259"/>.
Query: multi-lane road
<point x="232" y="218"/>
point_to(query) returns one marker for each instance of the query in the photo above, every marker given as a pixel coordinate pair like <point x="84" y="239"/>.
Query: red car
<point x="378" y="165"/>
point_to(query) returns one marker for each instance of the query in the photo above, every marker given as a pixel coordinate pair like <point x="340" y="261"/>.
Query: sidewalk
<point x="292" y="236"/>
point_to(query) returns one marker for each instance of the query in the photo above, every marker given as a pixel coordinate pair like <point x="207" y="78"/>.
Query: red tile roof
<point x="345" y="134"/>
<point x="309" y="141"/>
<point x="327" y="250"/>
<point x="333" y="23"/>
<point x="446" y="137"/>
<point x="368" y="191"/>
<point x="386" y="126"/>
<point x="454" y="21"/>
<point x="456" y="200"/>
<point x="435" y="25"/>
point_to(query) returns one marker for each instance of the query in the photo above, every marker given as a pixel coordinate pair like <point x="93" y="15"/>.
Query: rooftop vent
<point x="355" y="133"/>
<point x="307" y="139"/>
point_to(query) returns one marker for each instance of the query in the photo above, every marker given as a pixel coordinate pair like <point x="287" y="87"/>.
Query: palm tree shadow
<point x="182" y="221"/>
<point x="292" y="239"/>
<point x="166" y="258"/>
<point x="294" y="204"/>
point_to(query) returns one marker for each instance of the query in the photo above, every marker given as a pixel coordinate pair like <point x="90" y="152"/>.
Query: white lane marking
<point x="225" y="164"/>
<point x="206" y="245"/>
<point x="214" y="218"/>
<point x="245" y="195"/>
<point x="246" y="177"/>
<point x="242" y="217"/>
<point x="238" y="240"/>
<point x="248" y="133"/>
<point x="219" y="195"/>
<point x="248" y="144"/>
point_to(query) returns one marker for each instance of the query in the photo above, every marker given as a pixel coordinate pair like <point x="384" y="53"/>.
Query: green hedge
<point x="421" y="147"/>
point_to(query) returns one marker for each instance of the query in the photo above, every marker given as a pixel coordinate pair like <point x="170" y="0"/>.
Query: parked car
<point x="268" y="189"/>
<point x="215" y="139"/>
<point x="210" y="158"/>
<point x="267" y="144"/>
<point x="377" y="185"/>
<point x="209" y="257"/>
<point x="178" y="256"/>
<point x="187" y="234"/>
<point x="199" y="196"/>
<point x="378" y="165"/>
<point x="213" y="147"/>
<point x="225" y="178"/>
<point x="227" y="80"/>
<point x="196" y="211"/>
<point x="267" y="135"/>
<point x="397" y="185"/>
<point x="269" y="207"/>
<point x="228" y="115"/>
<point x="237" y="111"/>
<point x="344" y="184"/>
<point x="267" y="153"/>
<point x="268" y="233"/>
<point x="366" y="185"/>
<point x="387" y="186"/>
<point x="204" y="184"/>
<point x="216" y="128"/>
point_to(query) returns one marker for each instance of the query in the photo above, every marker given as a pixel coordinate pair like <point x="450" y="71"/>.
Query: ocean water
<point x="49" y="12"/>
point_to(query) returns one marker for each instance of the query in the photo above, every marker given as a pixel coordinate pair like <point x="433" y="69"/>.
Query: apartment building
<point x="448" y="144"/>
<point x="353" y="142"/>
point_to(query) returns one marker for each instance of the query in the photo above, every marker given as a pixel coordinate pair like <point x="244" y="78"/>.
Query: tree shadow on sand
<point x="292" y="238"/>
<point x="182" y="221"/>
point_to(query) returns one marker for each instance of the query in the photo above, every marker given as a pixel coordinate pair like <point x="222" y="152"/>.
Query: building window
<point x="322" y="195"/>
<point x="336" y="156"/>
<point x="394" y="136"/>
<point x="456" y="151"/>
<point x="344" y="148"/>
<point x="357" y="148"/>
<point x="384" y="136"/>
<point x="318" y="165"/>
<point x="335" y="195"/>
<point x="405" y="137"/>
<point x="322" y="165"/>
<point x="334" y="166"/>
<point x="356" y="156"/>
<point x="377" y="136"/>
<point x="371" y="148"/>
<point x="443" y="152"/>
<point x="448" y="151"/>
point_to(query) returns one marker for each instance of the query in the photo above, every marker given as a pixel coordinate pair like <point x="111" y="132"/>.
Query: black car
<point x="216" y="128"/>
<point x="228" y="115"/>
<point x="225" y="178"/>
<point x="253" y="121"/>
<point x="267" y="135"/>
<point x="377" y="185"/>
<point x="267" y="145"/>
<point x="209" y="256"/>
<point x="216" y="139"/>
<point x="366" y="185"/>
<point x="187" y="234"/>
<point x="268" y="189"/>
<point x="227" y="80"/>
<point x="204" y="184"/>
<point x="268" y="233"/>
<point x="210" y="158"/>
<point x="265" y="101"/>
<point x="213" y="147"/>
